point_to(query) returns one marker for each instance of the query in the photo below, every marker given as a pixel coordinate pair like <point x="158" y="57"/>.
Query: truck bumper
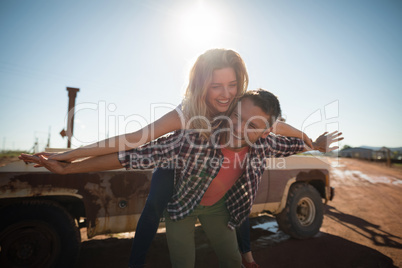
<point x="331" y="193"/>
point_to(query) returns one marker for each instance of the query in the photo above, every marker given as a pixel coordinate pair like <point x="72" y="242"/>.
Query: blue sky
<point x="333" y="64"/>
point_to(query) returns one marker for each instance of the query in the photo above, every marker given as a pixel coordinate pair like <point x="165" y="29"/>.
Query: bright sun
<point x="200" y="25"/>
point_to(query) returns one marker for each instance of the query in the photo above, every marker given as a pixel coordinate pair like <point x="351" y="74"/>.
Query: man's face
<point x="249" y="124"/>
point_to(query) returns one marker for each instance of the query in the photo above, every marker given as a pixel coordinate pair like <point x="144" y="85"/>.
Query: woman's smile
<point x="222" y="90"/>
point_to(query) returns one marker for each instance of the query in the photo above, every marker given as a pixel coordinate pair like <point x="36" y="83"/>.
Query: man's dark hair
<point x="267" y="101"/>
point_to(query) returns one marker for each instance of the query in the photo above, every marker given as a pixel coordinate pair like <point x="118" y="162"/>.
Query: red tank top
<point x="231" y="169"/>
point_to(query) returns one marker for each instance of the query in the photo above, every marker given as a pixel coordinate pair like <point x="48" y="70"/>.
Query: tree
<point x="346" y="147"/>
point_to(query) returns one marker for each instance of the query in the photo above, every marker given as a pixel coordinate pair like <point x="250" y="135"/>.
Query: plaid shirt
<point x="197" y="162"/>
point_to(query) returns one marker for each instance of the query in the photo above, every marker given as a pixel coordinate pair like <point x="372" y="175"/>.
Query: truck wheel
<point x="37" y="234"/>
<point x="302" y="217"/>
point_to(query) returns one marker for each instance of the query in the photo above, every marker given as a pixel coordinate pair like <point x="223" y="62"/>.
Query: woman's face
<point x="222" y="90"/>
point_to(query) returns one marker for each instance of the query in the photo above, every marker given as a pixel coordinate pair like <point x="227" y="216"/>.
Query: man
<point x="216" y="179"/>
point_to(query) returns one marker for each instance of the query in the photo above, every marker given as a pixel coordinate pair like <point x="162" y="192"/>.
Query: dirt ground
<point x="362" y="228"/>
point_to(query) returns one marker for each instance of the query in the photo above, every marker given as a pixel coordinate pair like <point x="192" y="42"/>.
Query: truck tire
<point x="303" y="214"/>
<point x="38" y="234"/>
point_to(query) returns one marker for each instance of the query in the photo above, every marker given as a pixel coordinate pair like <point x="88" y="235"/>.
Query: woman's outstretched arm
<point x="162" y="150"/>
<point x="169" y="122"/>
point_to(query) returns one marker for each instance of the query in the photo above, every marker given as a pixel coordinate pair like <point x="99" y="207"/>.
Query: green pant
<point x="214" y="219"/>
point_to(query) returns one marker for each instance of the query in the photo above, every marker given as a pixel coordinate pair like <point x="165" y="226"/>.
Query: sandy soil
<point x="362" y="228"/>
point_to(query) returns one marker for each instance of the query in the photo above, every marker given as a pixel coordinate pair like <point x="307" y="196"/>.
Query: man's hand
<point x="42" y="161"/>
<point x="324" y="141"/>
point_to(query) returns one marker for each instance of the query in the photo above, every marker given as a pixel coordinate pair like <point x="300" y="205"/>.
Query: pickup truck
<point x="41" y="212"/>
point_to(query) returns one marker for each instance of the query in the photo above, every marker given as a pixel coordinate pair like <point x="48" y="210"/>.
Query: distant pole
<point x="48" y="139"/>
<point x="72" y="94"/>
<point x="36" y="146"/>
<point x="388" y="155"/>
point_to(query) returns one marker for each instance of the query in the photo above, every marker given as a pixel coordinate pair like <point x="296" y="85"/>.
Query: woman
<point x="217" y="79"/>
